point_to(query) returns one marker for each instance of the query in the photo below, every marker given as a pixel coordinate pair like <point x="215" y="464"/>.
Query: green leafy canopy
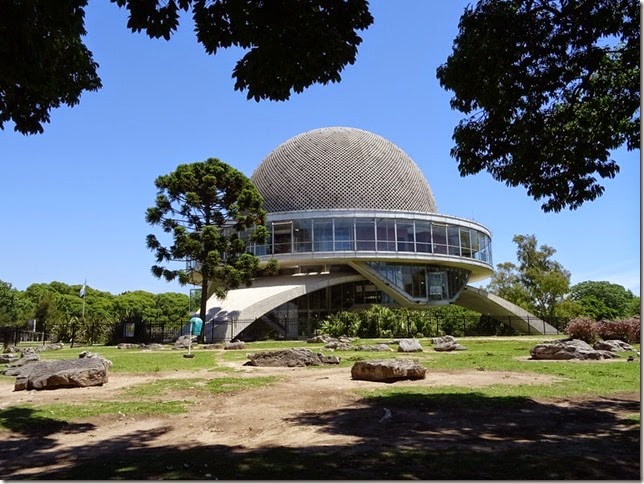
<point x="210" y="212"/>
<point x="551" y="87"/>
<point x="289" y="45"/>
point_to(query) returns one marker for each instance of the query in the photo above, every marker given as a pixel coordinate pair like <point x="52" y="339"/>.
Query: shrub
<point x="627" y="330"/>
<point x="582" y="328"/>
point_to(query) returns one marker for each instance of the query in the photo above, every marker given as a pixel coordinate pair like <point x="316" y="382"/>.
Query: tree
<point x="14" y="306"/>
<point x="43" y="61"/>
<point x="172" y="308"/>
<point x="506" y="283"/>
<point x="603" y="300"/>
<point x="289" y="44"/>
<point x="550" y="87"/>
<point x="211" y="211"/>
<point x="537" y="283"/>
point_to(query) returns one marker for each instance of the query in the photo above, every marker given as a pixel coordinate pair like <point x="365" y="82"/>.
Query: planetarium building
<point x="353" y="222"/>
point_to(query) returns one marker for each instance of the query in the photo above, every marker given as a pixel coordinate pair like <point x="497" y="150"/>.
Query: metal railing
<point x="164" y="333"/>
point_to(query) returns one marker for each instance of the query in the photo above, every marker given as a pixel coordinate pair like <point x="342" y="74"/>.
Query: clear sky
<point x="73" y="199"/>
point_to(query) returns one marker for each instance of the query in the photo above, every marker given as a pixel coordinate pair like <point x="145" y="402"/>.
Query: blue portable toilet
<point x="197" y="324"/>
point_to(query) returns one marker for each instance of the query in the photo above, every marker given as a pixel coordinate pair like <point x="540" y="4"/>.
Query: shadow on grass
<point x="27" y="421"/>
<point x="447" y="436"/>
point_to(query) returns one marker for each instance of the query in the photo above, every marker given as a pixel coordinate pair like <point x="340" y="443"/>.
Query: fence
<point x="15" y="336"/>
<point x="462" y="325"/>
<point x="164" y="333"/>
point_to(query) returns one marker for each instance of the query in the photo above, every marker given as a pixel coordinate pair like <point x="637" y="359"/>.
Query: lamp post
<point x="195" y="323"/>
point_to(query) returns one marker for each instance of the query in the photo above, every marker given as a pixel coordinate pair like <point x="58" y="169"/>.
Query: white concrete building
<point x="353" y="222"/>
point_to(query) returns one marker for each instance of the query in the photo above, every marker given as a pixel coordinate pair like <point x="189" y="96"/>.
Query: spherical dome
<point x="341" y="168"/>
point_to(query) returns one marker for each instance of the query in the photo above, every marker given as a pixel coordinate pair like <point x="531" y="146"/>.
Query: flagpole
<point x="83" y="296"/>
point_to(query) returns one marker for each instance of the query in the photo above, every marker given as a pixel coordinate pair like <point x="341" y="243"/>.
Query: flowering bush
<point x="627" y="330"/>
<point x="582" y="328"/>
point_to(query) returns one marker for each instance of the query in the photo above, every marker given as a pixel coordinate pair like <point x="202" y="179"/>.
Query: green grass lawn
<point x="171" y="396"/>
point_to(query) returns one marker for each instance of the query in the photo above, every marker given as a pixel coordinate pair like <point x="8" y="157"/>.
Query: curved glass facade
<point x="386" y="232"/>
<point x="423" y="283"/>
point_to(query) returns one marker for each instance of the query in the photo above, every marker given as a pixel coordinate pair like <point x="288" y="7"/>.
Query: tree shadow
<point x="27" y="421"/>
<point x="446" y="436"/>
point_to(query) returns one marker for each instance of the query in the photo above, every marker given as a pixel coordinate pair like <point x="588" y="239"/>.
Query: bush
<point x="582" y="328"/>
<point x="627" y="330"/>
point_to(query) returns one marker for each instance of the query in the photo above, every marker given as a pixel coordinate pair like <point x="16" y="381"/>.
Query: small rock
<point x="388" y="370"/>
<point x="409" y="346"/>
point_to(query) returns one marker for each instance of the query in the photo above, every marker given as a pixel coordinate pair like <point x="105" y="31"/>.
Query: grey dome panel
<point x="341" y="168"/>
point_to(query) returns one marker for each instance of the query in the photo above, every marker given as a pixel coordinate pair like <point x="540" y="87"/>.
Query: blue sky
<point x="73" y="199"/>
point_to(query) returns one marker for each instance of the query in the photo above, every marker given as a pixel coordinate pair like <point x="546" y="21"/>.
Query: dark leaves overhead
<point x="290" y="44"/>
<point x="43" y="61"/>
<point x="551" y="88"/>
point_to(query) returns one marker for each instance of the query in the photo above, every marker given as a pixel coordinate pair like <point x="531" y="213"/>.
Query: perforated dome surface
<point x="341" y="168"/>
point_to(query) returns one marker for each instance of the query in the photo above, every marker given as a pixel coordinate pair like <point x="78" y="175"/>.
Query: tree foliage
<point x="43" y="61"/>
<point x="537" y="283"/>
<point x="604" y="300"/>
<point x="384" y="322"/>
<point x="289" y="45"/>
<point x="58" y="309"/>
<point x="14" y="307"/>
<point x="550" y="88"/>
<point x="210" y="211"/>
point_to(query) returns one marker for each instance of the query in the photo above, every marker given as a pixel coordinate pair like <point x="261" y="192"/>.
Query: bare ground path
<point x="318" y="410"/>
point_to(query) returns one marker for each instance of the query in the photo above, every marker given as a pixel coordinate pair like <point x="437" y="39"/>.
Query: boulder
<point x="183" y="342"/>
<point x="127" y="346"/>
<point x="89" y="354"/>
<point x="614" y="345"/>
<point x="338" y="345"/>
<point x="49" y="375"/>
<point x="447" y="343"/>
<point x="439" y="340"/>
<point x="235" y="345"/>
<point x="388" y="371"/>
<point x="573" y="349"/>
<point x="9" y="358"/>
<point x="214" y="346"/>
<point x="378" y="347"/>
<point x="151" y="346"/>
<point x="290" y="358"/>
<point x="321" y="338"/>
<point x="49" y="347"/>
<point x="409" y="346"/>
<point x="14" y="369"/>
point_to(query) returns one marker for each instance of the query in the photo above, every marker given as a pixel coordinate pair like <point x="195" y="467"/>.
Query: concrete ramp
<point x="245" y="305"/>
<point x="504" y="311"/>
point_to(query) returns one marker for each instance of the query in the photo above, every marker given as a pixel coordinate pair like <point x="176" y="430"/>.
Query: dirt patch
<point x="306" y="408"/>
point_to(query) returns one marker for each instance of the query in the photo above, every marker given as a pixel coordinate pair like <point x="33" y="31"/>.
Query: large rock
<point x="614" y="345"/>
<point x="184" y="341"/>
<point x="388" y="371"/>
<point x="89" y="354"/>
<point x="321" y="338"/>
<point x="447" y="343"/>
<point x="378" y="347"/>
<point x="49" y="375"/>
<point x="338" y="345"/>
<point x="409" y="346"/>
<point x="574" y="349"/>
<point x="235" y="345"/>
<point x="151" y="347"/>
<point x="14" y="369"/>
<point x="290" y="358"/>
<point x="128" y="346"/>
<point x="49" y="347"/>
<point x="9" y="358"/>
